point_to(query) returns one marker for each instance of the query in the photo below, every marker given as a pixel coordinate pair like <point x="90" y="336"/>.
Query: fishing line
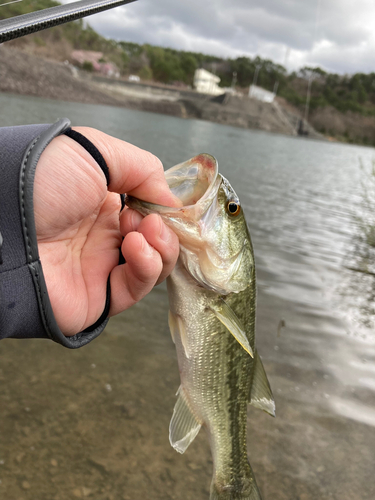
<point x="8" y="3"/>
<point x="310" y="80"/>
<point x="317" y="19"/>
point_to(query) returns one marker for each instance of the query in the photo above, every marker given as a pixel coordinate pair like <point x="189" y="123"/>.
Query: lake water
<point x="315" y="332"/>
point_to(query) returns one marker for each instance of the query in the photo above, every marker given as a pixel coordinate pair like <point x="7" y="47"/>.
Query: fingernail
<point x="165" y="233"/>
<point x="147" y="249"/>
<point x="136" y="219"/>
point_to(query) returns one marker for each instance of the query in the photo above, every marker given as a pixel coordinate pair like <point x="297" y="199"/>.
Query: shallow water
<point x="101" y="413"/>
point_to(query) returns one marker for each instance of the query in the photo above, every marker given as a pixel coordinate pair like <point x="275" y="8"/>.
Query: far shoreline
<point x="26" y="74"/>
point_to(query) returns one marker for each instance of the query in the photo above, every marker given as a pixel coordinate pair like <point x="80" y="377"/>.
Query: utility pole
<point x="257" y="69"/>
<point x="234" y="79"/>
<point x="287" y="53"/>
<point x="308" y="95"/>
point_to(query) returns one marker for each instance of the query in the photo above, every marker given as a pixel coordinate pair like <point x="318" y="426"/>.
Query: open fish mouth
<point x="195" y="182"/>
<point x="191" y="181"/>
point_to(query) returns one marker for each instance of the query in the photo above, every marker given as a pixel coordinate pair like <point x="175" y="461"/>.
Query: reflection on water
<point x="355" y="411"/>
<point x="359" y="288"/>
<point x="299" y="197"/>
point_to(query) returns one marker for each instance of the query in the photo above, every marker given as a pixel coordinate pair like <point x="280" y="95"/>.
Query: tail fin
<point x="242" y="488"/>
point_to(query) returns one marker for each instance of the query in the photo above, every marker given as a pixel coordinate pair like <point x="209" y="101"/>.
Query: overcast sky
<point x="338" y="35"/>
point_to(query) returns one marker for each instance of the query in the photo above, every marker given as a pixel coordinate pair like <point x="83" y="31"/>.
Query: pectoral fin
<point x="177" y="327"/>
<point x="184" y="426"/>
<point x="261" y="394"/>
<point x="229" y="319"/>
<point x="172" y="325"/>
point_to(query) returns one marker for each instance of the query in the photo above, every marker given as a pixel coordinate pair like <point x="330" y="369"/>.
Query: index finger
<point x="131" y="169"/>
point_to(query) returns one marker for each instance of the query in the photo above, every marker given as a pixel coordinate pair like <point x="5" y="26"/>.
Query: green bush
<point x="87" y="66"/>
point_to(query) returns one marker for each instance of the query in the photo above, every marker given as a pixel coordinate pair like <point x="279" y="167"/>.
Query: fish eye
<point x="233" y="208"/>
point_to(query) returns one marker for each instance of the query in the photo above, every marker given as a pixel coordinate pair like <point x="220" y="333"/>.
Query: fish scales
<point x="212" y="296"/>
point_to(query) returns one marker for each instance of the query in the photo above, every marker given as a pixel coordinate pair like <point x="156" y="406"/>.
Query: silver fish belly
<point x="212" y="297"/>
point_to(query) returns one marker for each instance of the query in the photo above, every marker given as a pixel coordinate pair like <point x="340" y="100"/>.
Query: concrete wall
<point x="261" y="94"/>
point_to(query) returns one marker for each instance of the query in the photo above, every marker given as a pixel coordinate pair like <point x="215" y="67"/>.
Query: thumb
<point x="131" y="169"/>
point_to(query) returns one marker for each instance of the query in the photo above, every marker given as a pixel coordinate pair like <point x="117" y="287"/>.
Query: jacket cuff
<point x="25" y="308"/>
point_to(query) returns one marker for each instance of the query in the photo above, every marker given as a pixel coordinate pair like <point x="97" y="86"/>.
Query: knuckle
<point x="155" y="163"/>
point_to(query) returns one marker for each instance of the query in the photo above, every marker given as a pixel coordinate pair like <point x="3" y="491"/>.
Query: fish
<point x="212" y="301"/>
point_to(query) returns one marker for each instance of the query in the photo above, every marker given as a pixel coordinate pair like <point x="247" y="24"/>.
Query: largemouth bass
<point x="212" y="297"/>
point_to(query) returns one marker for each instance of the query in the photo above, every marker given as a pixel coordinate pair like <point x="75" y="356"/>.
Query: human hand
<point x="80" y="229"/>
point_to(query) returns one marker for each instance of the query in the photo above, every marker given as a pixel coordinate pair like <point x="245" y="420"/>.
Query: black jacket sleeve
<point x="25" y="309"/>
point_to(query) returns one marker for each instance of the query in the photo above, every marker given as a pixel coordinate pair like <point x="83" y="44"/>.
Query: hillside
<point x="29" y="74"/>
<point x="342" y="107"/>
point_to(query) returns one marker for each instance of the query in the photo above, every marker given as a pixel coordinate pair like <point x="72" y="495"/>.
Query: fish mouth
<point x="191" y="181"/>
<point x="195" y="182"/>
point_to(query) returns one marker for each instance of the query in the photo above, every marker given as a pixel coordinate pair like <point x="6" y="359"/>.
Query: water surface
<point x="101" y="413"/>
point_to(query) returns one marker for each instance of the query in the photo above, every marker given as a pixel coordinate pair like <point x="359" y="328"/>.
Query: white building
<point x="134" y="78"/>
<point x="261" y="94"/>
<point x="206" y="82"/>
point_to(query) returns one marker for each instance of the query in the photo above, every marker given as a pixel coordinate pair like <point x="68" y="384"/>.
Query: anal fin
<point x="184" y="426"/>
<point x="261" y="394"/>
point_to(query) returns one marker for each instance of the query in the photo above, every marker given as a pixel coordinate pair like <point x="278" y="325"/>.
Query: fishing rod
<point x="25" y="24"/>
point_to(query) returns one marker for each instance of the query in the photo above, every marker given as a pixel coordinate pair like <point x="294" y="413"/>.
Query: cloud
<point x="337" y="35"/>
